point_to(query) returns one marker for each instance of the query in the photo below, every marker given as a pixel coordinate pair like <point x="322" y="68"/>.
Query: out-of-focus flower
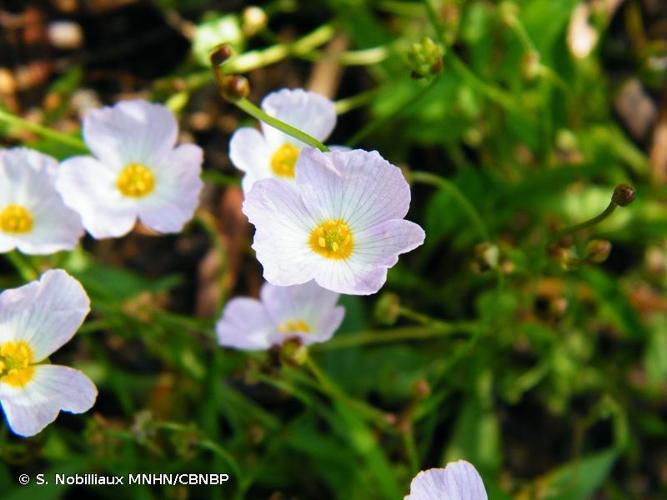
<point x="340" y="224"/>
<point x="33" y="217"/>
<point x="271" y="153"/>
<point x="458" y="481"/>
<point x="136" y="172"/>
<point x="37" y="319"/>
<point x="307" y="312"/>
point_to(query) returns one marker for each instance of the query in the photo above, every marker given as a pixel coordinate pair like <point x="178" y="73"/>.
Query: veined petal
<point x="45" y="313"/>
<point x="245" y="324"/>
<point x="249" y="153"/>
<point x="326" y="327"/>
<point x="307" y="111"/>
<point x="130" y="131"/>
<point x="30" y="408"/>
<point x="358" y="186"/>
<point x="282" y="225"/>
<point x="89" y="187"/>
<point x="458" y="481"/>
<point x="177" y="190"/>
<point x="382" y="244"/>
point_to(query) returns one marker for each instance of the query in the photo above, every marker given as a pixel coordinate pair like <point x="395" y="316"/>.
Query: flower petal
<point x="248" y="152"/>
<point x="88" y="187"/>
<point x="458" y="481"/>
<point x="358" y="186"/>
<point x="308" y="302"/>
<point x="245" y="325"/>
<point x="45" y="313"/>
<point x="282" y="226"/>
<point x="53" y="388"/>
<point x="307" y="111"/>
<point x="177" y="190"/>
<point x="130" y="131"/>
<point x="382" y="244"/>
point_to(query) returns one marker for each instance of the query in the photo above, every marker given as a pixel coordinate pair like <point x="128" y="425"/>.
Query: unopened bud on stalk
<point x="220" y="54"/>
<point x="597" y="251"/>
<point x="234" y="87"/>
<point x="508" y="12"/>
<point x="624" y="194"/>
<point x="254" y="20"/>
<point x="425" y="58"/>
<point x="485" y="257"/>
<point x="387" y="309"/>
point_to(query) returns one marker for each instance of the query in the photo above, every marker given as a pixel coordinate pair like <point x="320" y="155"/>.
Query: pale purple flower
<point x="37" y="319"/>
<point x="340" y="224"/>
<point x="272" y="153"/>
<point x="137" y="171"/>
<point x="458" y="481"/>
<point x="307" y="312"/>
<point x="33" y="217"/>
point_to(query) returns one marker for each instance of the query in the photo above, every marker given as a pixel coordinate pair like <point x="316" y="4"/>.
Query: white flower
<point x="458" y="481"/>
<point x="136" y="171"/>
<point x="33" y="217"/>
<point x="307" y="312"/>
<point x="37" y="319"/>
<point x="340" y="224"/>
<point x="272" y="153"/>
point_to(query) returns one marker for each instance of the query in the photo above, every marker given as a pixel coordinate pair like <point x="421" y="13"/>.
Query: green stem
<point x="21" y="123"/>
<point x="411" y="449"/>
<point x="398" y="111"/>
<point x="249" y="61"/>
<point x="588" y="223"/>
<point x="356" y="101"/>
<point x="330" y="388"/>
<point x="454" y="192"/>
<point x="22" y="265"/>
<point x="256" y="112"/>
<point x="395" y="335"/>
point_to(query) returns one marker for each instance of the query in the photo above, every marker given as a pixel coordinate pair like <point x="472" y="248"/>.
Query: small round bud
<point x="508" y="12"/>
<point x="387" y="309"/>
<point x="220" y="54"/>
<point x="597" y="251"/>
<point x="624" y="194"/>
<point x="531" y="67"/>
<point x="425" y="58"/>
<point x="254" y="20"/>
<point x="234" y="87"/>
<point x="486" y="257"/>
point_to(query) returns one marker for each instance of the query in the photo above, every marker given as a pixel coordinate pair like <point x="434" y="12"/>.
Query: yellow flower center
<point x="15" y="219"/>
<point x="294" y="326"/>
<point x="135" y="180"/>
<point x="284" y="160"/>
<point x="332" y="239"/>
<point x="16" y="363"/>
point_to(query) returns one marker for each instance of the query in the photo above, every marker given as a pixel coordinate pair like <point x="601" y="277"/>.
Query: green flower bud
<point x="425" y="58"/>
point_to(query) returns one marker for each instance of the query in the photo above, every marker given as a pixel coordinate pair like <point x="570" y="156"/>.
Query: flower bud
<point x="387" y="309"/>
<point x="624" y="194"/>
<point x="425" y="58"/>
<point x="254" y="20"/>
<point x="597" y="251"/>
<point x="485" y="257"/>
<point x="234" y="87"/>
<point x="220" y="54"/>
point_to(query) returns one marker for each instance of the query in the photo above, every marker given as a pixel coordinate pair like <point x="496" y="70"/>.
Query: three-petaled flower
<point x="37" y="319"/>
<point x="136" y="171"/>
<point x="340" y="224"/>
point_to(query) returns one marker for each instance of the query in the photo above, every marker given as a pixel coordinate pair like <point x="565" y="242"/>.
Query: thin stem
<point x="256" y="112"/>
<point x="411" y="449"/>
<point x="395" y="335"/>
<point x="356" y="101"/>
<point x="249" y="61"/>
<point x="588" y="223"/>
<point x="455" y="192"/>
<point x="21" y="123"/>
<point x="365" y="410"/>
<point x="398" y="111"/>
<point x="23" y="265"/>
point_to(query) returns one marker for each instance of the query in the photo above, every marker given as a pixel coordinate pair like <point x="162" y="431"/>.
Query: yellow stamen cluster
<point x="15" y="219"/>
<point x="294" y="326"/>
<point x="135" y="180"/>
<point x="284" y="159"/>
<point x="16" y="363"/>
<point x="332" y="239"/>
